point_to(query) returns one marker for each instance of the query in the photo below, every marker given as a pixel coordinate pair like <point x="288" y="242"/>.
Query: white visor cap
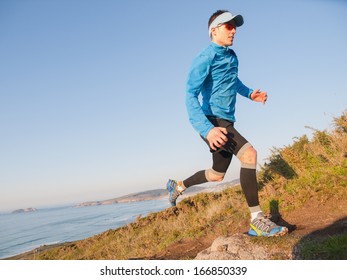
<point x="223" y="18"/>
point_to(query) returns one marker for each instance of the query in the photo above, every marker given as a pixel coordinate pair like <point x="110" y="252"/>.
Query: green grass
<point x="333" y="248"/>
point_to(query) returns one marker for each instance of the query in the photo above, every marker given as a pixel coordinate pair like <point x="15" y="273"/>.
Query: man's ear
<point x="213" y="32"/>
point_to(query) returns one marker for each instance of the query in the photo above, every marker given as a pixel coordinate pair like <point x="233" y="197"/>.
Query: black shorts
<point x="222" y="156"/>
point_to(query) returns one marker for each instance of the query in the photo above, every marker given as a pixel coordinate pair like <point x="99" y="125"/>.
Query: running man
<point x="214" y="75"/>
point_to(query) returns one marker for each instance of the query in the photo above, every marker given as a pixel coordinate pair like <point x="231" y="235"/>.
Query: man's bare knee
<point x="214" y="176"/>
<point x="249" y="156"/>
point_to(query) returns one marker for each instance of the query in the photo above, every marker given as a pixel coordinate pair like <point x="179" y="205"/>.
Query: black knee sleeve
<point x="249" y="186"/>
<point x="198" y="178"/>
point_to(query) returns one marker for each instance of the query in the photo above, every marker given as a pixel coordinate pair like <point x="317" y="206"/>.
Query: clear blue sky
<point x="92" y="92"/>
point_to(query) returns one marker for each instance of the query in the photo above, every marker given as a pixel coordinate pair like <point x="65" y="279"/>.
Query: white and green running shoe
<point x="263" y="226"/>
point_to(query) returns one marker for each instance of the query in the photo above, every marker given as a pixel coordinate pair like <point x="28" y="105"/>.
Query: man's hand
<point x="217" y="137"/>
<point x="259" y="96"/>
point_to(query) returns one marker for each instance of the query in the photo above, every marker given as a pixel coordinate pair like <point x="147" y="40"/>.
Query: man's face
<point x="223" y="34"/>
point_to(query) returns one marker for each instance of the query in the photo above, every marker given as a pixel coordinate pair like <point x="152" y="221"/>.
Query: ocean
<point x="22" y="232"/>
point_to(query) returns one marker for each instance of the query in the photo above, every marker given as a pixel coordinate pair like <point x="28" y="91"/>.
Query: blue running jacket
<point x="214" y="74"/>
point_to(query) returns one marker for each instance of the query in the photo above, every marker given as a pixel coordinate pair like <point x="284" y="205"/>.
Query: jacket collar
<point x="218" y="48"/>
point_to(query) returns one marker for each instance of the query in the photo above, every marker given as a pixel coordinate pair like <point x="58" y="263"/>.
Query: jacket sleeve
<point x="198" y="72"/>
<point x="243" y="90"/>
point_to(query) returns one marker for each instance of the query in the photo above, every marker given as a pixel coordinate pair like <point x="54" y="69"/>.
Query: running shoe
<point x="175" y="190"/>
<point x="263" y="226"/>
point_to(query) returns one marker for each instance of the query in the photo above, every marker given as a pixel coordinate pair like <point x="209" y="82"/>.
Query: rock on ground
<point x="237" y="247"/>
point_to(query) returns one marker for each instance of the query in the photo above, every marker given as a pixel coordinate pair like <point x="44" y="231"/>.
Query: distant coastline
<point x="24" y="210"/>
<point x="135" y="197"/>
<point x="156" y="194"/>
